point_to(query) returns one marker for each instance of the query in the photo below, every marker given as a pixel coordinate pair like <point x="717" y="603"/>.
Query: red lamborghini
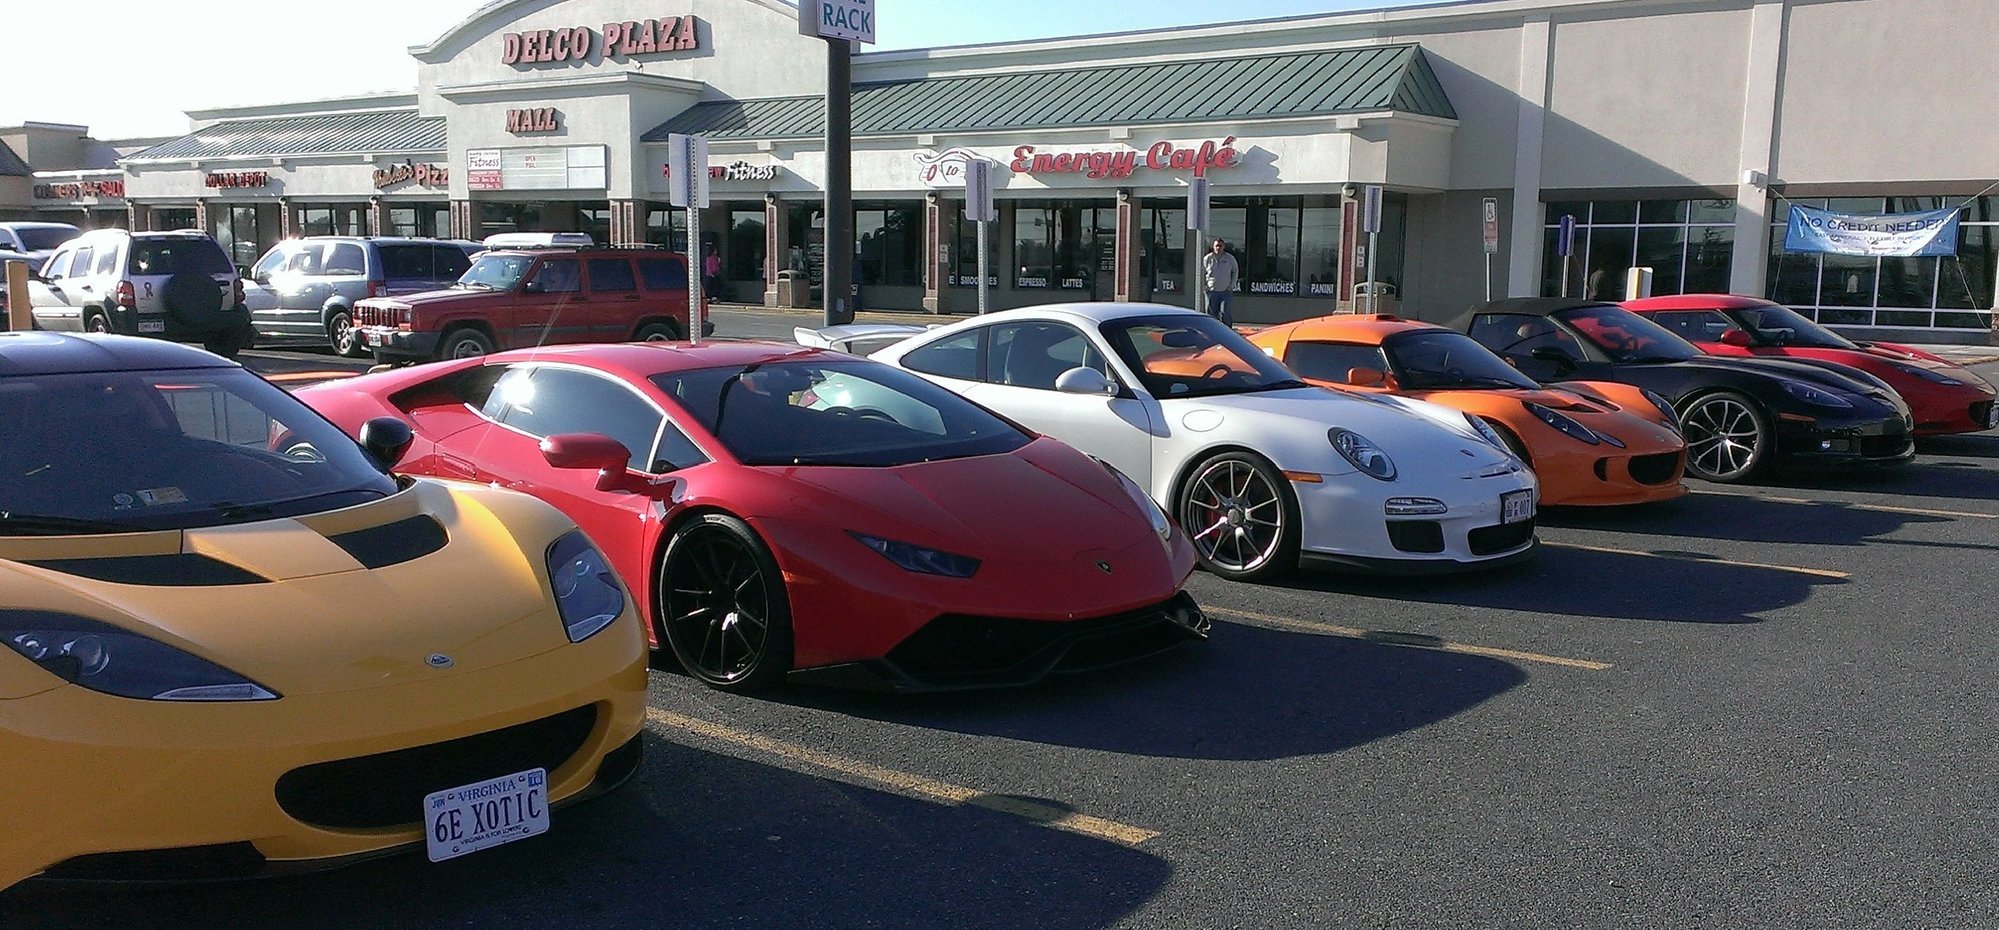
<point x="1944" y="398"/>
<point x="796" y="511"/>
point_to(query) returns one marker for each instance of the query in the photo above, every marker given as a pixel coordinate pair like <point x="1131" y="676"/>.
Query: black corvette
<point x="1740" y="416"/>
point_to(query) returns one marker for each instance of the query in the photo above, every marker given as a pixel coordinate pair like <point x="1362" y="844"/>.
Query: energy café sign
<point x="79" y="190"/>
<point x="1123" y="163"/>
<point x="852" y="20"/>
<point x="615" y="40"/>
<point x="427" y="175"/>
<point x="536" y="120"/>
<point x="230" y="179"/>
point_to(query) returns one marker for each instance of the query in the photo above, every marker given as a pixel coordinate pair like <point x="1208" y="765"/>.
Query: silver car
<point x="308" y="286"/>
<point x="169" y="285"/>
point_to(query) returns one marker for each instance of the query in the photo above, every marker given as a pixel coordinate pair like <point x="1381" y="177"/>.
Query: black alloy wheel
<point x="341" y="334"/>
<point x="1728" y="438"/>
<point x="722" y="606"/>
<point x="1238" y="511"/>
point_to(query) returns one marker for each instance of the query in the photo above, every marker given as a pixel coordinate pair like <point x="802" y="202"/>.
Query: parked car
<point x="771" y="533"/>
<point x="314" y="282"/>
<point x="539" y="240"/>
<point x="1263" y="470"/>
<point x="169" y="285"/>
<point x="233" y="643"/>
<point x="1740" y="416"/>
<point x="855" y="338"/>
<point x="1592" y="443"/>
<point x="1945" y="398"/>
<point x="517" y="298"/>
<point x="34" y="242"/>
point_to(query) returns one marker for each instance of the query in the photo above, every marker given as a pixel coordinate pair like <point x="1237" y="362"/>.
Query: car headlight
<point x="1563" y="423"/>
<point x="1153" y="513"/>
<point x="117" y="662"/>
<point x="1815" y="396"/>
<point x="1665" y="409"/>
<point x="1927" y="374"/>
<point x="586" y="590"/>
<point x="915" y="558"/>
<point x="1363" y="453"/>
<point x="1489" y="434"/>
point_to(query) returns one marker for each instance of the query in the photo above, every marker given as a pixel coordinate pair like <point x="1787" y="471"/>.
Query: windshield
<point x="1783" y="326"/>
<point x="496" y="272"/>
<point x="1626" y="336"/>
<point x="45" y="238"/>
<point x="849" y="412"/>
<point x="1429" y="360"/>
<point x="1194" y="355"/>
<point x="129" y="451"/>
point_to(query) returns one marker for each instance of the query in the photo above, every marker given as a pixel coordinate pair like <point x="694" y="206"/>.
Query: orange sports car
<point x="1591" y="443"/>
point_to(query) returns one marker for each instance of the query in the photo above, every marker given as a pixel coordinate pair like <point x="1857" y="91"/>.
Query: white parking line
<point x="1441" y="645"/>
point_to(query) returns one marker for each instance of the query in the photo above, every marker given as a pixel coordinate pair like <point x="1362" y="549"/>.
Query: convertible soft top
<point x="43" y="353"/>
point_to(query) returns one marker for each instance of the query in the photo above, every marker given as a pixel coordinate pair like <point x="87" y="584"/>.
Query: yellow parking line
<point x="1882" y="508"/>
<point x="1709" y="559"/>
<point x="908" y="784"/>
<point x="1313" y="626"/>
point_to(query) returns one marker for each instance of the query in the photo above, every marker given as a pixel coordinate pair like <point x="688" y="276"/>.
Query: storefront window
<point x="508" y="217"/>
<point x="1166" y="250"/>
<point x="1688" y="244"/>
<point x="1950" y="292"/>
<point x="965" y="261"/>
<point x="1033" y="246"/>
<point x="888" y="244"/>
<point x="236" y="231"/>
<point x="746" y="245"/>
<point x="667" y="228"/>
<point x="1063" y="245"/>
<point x="333" y="220"/>
<point x="169" y="218"/>
<point x="1319" y="251"/>
<point x="594" y="220"/>
<point x="429" y="220"/>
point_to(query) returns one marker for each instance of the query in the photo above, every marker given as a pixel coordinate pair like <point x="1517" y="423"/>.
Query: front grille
<point x="967" y="645"/>
<point x="1980" y="411"/>
<point x="1488" y="540"/>
<point x="1884" y="446"/>
<point x="365" y="315"/>
<point x="387" y="789"/>
<point x="1416" y="535"/>
<point x="1655" y="469"/>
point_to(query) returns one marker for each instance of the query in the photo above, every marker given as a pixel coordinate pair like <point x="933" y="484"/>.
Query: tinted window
<point x="80" y="264"/>
<point x="176" y="255"/>
<point x="1520" y="334"/>
<point x="1194" y="355"/>
<point x="272" y="261"/>
<point x="1694" y="325"/>
<point x="562" y="276"/>
<point x="611" y="275"/>
<point x="563" y="400"/>
<point x="1626" y="336"/>
<point x="1033" y="355"/>
<point x="1330" y="361"/>
<point x="676" y="451"/>
<point x="346" y="258"/>
<point x="663" y="274"/>
<point x="107" y="261"/>
<point x="956" y="357"/>
<point x="43" y="238"/>
<point x="406" y="262"/>
<point x="448" y="262"/>
<point x="1427" y="360"/>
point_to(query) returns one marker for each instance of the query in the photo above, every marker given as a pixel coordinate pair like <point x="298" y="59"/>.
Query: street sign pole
<point x="980" y="209"/>
<point x="687" y="167"/>
<point x="1565" y="245"/>
<point x="1490" y="231"/>
<point x="1371" y="224"/>
<point x="841" y="23"/>
<point x="1198" y="204"/>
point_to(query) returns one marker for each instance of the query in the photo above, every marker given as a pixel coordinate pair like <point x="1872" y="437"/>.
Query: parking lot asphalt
<point x="1762" y="706"/>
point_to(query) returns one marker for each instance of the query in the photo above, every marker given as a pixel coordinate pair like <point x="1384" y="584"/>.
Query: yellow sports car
<point x="235" y="644"/>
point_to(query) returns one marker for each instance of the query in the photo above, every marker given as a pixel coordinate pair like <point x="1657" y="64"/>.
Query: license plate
<point x="1992" y="417"/>
<point x="152" y="326"/>
<point x="466" y="820"/>
<point x="376" y="339"/>
<point x="1516" y="506"/>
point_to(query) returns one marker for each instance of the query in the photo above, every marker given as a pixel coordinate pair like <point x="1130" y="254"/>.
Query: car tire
<point x="657" y="332"/>
<point x="464" y="343"/>
<point x="1239" y="512"/>
<point x="718" y="589"/>
<point x="1729" y="439"/>
<point x="95" y="321"/>
<point x="341" y="335"/>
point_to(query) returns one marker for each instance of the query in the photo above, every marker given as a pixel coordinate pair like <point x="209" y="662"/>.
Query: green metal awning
<point x="1354" y="80"/>
<point x="383" y="131"/>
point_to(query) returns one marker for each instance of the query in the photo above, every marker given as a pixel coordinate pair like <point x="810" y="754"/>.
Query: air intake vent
<point x="393" y="543"/>
<point x="180" y="570"/>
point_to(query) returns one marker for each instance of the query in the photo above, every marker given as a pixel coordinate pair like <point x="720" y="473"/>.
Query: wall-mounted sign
<point x="573" y="167"/>
<point x="424" y="175"/>
<point x="1122" y="163"/>
<point x="742" y="171"/>
<point x="538" y="119"/>
<point x="617" y="40"/>
<point x="238" y="179"/>
<point x="79" y="190"/>
<point x="943" y="169"/>
<point x="852" y="20"/>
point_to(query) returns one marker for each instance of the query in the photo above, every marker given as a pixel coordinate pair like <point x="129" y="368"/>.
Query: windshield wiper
<point x="1283" y="384"/>
<point x="34" y="524"/>
<point x="1444" y="380"/>
<point x="476" y="284"/>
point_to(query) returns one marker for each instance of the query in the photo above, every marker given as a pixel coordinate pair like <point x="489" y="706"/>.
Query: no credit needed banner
<point x="1933" y="232"/>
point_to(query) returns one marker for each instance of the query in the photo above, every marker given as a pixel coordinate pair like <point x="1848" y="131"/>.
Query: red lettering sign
<point x="221" y="179"/>
<point x="79" y="190"/>
<point x="425" y="175"/>
<point x="540" y="119"/>
<point x="620" y="40"/>
<point x="1162" y="156"/>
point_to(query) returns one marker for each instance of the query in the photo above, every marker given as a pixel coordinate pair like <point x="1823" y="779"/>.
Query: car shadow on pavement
<point x="698" y="839"/>
<point x="1598" y="585"/>
<point x="1248" y="693"/>
<point x="1925" y="478"/>
<point x="1973" y="446"/>
<point x="1740" y="518"/>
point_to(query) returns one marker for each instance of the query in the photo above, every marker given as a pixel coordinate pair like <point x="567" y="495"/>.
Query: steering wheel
<point x="1216" y="372"/>
<point x="305" y="452"/>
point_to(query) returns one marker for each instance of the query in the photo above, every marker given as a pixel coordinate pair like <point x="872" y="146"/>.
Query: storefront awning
<point x="1327" y="83"/>
<point x="385" y="132"/>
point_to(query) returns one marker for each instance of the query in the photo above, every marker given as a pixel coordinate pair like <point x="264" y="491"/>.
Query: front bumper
<point x="1346" y="525"/>
<point x="1831" y="443"/>
<point x="1954" y="410"/>
<point x="388" y="343"/>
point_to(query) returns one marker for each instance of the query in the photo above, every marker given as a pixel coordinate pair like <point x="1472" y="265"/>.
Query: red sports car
<point x="786" y="510"/>
<point x="1943" y="397"/>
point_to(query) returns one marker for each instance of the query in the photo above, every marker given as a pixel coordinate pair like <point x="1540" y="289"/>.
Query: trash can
<point x="1384" y="298"/>
<point x="794" y="289"/>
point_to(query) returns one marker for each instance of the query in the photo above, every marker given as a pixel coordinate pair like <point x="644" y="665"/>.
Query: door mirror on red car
<point x="1737" y="338"/>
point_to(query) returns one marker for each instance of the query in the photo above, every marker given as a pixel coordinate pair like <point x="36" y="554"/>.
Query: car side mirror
<point x="608" y="456"/>
<point x="1737" y="338"/>
<point x="1085" y="381"/>
<point x="1365" y="377"/>
<point x="386" y="440"/>
<point x="1554" y="356"/>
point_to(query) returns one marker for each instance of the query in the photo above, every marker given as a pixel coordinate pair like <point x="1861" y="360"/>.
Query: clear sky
<point x="131" y="67"/>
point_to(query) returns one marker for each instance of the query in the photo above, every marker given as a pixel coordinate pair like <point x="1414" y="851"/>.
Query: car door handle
<point x="629" y="297"/>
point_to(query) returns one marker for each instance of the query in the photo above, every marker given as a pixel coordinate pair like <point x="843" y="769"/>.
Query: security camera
<point x="1348" y="191"/>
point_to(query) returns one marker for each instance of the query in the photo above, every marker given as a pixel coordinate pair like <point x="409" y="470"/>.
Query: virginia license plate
<point x="1516" y="506"/>
<point x="466" y="820"/>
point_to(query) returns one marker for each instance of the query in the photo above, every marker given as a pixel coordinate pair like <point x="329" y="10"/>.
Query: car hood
<point x="1409" y="430"/>
<point x="319" y="621"/>
<point x="1819" y="375"/>
<point x="439" y="297"/>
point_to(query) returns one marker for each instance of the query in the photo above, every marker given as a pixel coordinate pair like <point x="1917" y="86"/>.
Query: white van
<point x="539" y="240"/>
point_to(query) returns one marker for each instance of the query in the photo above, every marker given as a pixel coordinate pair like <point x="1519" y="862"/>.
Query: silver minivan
<point x="169" y="285"/>
<point x="310" y="285"/>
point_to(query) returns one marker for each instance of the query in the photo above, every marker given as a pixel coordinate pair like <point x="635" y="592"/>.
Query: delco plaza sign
<point x="619" y="40"/>
<point x="852" y="20"/>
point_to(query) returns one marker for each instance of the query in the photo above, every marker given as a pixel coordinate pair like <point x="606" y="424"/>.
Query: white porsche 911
<point x="1263" y="471"/>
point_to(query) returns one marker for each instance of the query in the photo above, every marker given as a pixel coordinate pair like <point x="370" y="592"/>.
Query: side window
<point x="612" y="276"/>
<point x="492" y="397"/>
<point x="447" y="263"/>
<point x="1520" y="334"/>
<point x="1691" y="325"/>
<point x="58" y="266"/>
<point x="405" y="262"/>
<point x="561" y="276"/>
<point x="663" y="274"/>
<point x="1330" y="361"/>
<point x="956" y="357"/>
<point x="79" y="264"/>
<point x="107" y="261"/>
<point x="309" y="259"/>
<point x="563" y="400"/>
<point x="272" y="261"/>
<point x="676" y="451"/>
<point x="1033" y="355"/>
<point x="345" y="258"/>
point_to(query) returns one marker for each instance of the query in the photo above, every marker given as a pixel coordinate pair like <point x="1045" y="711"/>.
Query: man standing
<point x="1219" y="268"/>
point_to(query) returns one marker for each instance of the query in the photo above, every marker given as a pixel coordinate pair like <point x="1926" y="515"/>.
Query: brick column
<point x="777" y="246"/>
<point x="138" y="217"/>
<point x="627" y="226"/>
<point x="378" y="217"/>
<point x="288" y="224"/>
<point x="464" y="220"/>
<point x="1128" y="286"/>
<point x="938" y="214"/>
<point x="201" y="215"/>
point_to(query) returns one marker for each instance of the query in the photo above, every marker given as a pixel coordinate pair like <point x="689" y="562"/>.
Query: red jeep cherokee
<point x="518" y="298"/>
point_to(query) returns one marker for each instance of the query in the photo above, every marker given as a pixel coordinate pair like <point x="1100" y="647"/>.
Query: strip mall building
<point x="1676" y="132"/>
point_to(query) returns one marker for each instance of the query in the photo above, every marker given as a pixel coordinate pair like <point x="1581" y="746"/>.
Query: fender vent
<point x="180" y="570"/>
<point x="393" y="543"/>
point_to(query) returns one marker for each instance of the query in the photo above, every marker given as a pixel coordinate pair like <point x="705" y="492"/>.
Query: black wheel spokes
<point x="720" y="607"/>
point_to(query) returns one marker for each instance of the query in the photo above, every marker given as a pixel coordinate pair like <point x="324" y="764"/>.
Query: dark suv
<point x="313" y="283"/>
